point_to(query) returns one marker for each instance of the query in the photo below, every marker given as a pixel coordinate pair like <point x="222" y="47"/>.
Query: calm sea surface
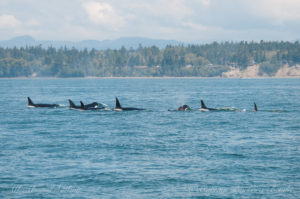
<point x="63" y="153"/>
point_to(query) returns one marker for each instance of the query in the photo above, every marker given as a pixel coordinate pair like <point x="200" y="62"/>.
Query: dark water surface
<point x="62" y="153"/>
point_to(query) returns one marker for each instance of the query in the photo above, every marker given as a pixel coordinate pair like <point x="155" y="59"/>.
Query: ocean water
<point x="63" y="153"/>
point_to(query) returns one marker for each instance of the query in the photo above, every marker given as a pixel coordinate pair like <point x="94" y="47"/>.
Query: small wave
<point x="104" y="105"/>
<point x="275" y="111"/>
<point x="227" y="109"/>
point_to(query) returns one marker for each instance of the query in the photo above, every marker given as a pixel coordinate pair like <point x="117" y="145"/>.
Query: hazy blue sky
<point x="183" y="20"/>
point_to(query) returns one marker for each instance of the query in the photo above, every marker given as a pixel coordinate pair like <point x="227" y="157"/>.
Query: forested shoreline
<point x="207" y="60"/>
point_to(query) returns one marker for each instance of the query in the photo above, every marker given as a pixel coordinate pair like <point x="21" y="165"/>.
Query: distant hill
<point x="229" y="59"/>
<point x="127" y="42"/>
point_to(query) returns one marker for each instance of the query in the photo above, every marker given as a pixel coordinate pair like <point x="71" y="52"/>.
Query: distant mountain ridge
<point x="127" y="42"/>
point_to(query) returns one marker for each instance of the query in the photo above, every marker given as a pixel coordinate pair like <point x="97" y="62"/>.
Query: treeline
<point x="192" y="60"/>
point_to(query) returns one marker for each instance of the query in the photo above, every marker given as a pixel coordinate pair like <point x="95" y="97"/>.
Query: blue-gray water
<point x="64" y="153"/>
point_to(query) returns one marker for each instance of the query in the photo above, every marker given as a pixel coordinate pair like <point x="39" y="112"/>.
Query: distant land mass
<point x="127" y="42"/>
<point x="140" y="57"/>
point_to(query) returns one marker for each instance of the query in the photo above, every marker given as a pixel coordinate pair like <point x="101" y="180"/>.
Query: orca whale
<point x="72" y="105"/>
<point x="255" y="107"/>
<point x="184" y="108"/>
<point x="205" y="108"/>
<point x="31" y="104"/>
<point x="118" y="107"/>
<point x="91" y="106"/>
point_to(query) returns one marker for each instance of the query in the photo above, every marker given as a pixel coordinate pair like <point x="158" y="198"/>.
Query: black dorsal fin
<point x="203" y="105"/>
<point x="30" y="102"/>
<point x="72" y="105"/>
<point x="81" y="104"/>
<point x="255" y="107"/>
<point x="118" y="105"/>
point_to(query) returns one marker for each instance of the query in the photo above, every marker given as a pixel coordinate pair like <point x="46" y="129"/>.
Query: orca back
<point x="81" y="105"/>
<point x="118" y="105"/>
<point x="72" y="105"/>
<point x="91" y="105"/>
<point x="203" y="105"/>
<point x="184" y="108"/>
<point x="30" y="102"/>
<point x="255" y="107"/>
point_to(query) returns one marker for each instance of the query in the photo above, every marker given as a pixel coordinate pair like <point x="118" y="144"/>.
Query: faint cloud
<point x="205" y="2"/>
<point x="279" y="11"/>
<point x="185" y="20"/>
<point x="103" y="14"/>
<point x="176" y="9"/>
<point x="196" y="27"/>
<point x="32" y="22"/>
<point x="8" y="21"/>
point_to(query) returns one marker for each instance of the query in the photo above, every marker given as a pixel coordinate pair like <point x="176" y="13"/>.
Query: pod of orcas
<point x="118" y="107"/>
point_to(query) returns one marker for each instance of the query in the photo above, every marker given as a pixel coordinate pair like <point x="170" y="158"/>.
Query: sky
<point x="193" y="21"/>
